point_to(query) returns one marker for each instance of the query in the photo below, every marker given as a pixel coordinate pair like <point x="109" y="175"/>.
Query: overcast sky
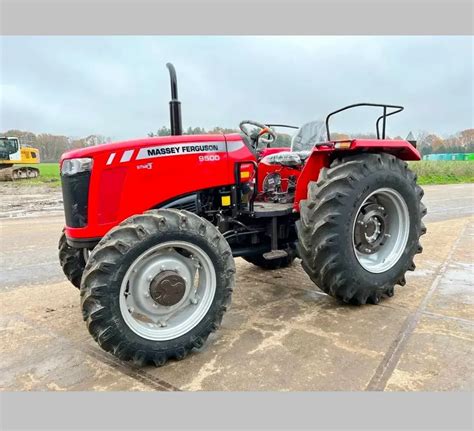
<point x="118" y="86"/>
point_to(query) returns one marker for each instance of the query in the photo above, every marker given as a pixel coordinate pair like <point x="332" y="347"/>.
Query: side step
<point x="275" y="254"/>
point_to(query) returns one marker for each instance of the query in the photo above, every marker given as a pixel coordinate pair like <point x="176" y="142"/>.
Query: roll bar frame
<point x="383" y="117"/>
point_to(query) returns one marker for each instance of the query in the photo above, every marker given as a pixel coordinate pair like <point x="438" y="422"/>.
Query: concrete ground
<point x="281" y="332"/>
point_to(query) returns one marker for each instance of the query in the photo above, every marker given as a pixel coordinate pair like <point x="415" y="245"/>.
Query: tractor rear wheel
<point x="360" y="226"/>
<point x="157" y="285"/>
<point x="281" y="262"/>
<point x="72" y="260"/>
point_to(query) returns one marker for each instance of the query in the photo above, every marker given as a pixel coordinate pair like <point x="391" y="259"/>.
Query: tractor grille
<point x="75" y="196"/>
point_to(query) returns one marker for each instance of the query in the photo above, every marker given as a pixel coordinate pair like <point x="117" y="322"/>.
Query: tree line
<point x="283" y="140"/>
<point x="52" y="146"/>
<point x="461" y="142"/>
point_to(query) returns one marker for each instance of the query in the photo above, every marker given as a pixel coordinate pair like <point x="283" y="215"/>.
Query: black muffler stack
<point x="175" y="105"/>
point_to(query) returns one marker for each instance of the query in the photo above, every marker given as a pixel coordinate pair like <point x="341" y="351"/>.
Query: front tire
<point x="72" y="260"/>
<point x="360" y="226"/>
<point x="157" y="285"/>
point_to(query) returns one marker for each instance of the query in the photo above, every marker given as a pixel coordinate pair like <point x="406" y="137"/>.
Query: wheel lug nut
<point x="155" y="305"/>
<point x="149" y="278"/>
<point x="163" y="324"/>
<point x="147" y="295"/>
<point x="367" y="250"/>
<point x="194" y="301"/>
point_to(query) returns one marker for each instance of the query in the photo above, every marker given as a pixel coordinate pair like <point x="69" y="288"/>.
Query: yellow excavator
<point x="13" y="152"/>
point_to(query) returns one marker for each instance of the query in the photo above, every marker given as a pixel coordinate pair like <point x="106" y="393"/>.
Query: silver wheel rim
<point x="153" y="320"/>
<point x="390" y="232"/>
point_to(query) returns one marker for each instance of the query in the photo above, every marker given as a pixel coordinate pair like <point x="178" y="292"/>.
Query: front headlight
<point x="75" y="166"/>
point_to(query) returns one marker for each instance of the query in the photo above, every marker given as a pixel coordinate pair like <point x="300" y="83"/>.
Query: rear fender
<point x="318" y="160"/>
<point x="398" y="147"/>
<point x="323" y="154"/>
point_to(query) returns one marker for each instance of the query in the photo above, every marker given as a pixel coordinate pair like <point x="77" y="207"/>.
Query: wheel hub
<point x="381" y="229"/>
<point x="369" y="232"/>
<point x="167" y="288"/>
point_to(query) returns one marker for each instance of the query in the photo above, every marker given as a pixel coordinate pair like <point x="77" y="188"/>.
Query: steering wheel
<point x="264" y="130"/>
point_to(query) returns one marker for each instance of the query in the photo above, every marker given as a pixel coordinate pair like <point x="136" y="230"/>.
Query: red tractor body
<point x="134" y="176"/>
<point x="152" y="225"/>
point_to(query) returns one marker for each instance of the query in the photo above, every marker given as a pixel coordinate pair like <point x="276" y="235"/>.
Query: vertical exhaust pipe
<point x="175" y="104"/>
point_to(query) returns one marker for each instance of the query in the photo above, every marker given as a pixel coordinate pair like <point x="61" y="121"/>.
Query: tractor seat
<point x="301" y="145"/>
<point x="308" y="135"/>
<point x="291" y="159"/>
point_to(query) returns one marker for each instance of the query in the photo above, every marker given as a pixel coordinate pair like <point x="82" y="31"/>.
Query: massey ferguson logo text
<point x="177" y="150"/>
<point x="183" y="149"/>
<point x="206" y="150"/>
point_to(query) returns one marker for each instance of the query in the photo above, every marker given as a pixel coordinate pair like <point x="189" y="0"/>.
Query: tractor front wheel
<point x="157" y="285"/>
<point x="72" y="260"/>
<point x="360" y="226"/>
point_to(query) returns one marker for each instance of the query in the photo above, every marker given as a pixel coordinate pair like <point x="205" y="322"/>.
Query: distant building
<point x="449" y="156"/>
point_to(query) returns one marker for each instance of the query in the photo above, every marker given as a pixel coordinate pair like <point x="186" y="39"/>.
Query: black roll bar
<point x="383" y="117"/>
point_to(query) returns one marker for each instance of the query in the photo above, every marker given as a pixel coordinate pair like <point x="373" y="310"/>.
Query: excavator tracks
<point x="18" y="173"/>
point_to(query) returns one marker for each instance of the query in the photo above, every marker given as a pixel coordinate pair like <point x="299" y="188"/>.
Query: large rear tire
<point x="72" y="260"/>
<point x="360" y="226"/>
<point x="157" y="285"/>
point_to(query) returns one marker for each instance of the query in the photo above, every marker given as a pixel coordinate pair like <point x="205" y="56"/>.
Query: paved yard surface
<point x="281" y="332"/>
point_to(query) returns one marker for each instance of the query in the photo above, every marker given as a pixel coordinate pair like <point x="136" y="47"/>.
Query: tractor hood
<point x="141" y="143"/>
<point x="118" y="147"/>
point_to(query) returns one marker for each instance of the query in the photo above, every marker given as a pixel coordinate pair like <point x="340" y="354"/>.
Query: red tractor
<point x="153" y="225"/>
